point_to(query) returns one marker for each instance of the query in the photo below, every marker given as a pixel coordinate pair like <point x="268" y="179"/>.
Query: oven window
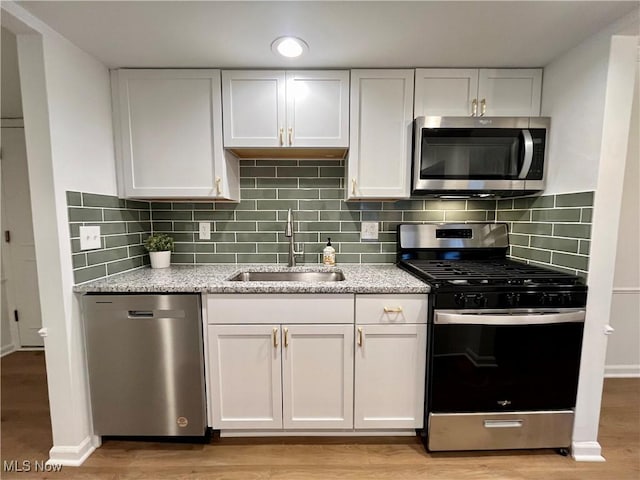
<point x="480" y="153"/>
<point x="484" y="368"/>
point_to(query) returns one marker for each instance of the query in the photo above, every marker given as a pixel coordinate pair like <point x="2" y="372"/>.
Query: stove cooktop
<point x="495" y="272"/>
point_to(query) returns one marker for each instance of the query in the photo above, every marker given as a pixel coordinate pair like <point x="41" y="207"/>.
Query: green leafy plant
<point x="159" y="242"/>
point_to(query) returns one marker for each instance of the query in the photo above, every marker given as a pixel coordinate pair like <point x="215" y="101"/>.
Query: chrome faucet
<point x="289" y="233"/>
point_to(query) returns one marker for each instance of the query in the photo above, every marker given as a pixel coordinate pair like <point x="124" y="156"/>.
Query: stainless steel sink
<point x="288" y="277"/>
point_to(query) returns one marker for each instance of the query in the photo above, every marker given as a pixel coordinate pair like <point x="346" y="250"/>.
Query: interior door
<point x="19" y="253"/>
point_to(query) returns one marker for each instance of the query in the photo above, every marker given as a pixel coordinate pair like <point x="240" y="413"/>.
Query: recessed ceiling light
<point x="289" y="47"/>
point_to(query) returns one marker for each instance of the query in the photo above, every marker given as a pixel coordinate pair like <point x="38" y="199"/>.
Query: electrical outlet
<point x="90" y="238"/>
<point x="204" y="231"/>
<point x="369" y="231"/>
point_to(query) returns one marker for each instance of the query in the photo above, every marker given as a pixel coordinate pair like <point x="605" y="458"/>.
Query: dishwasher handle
<point x="141" y="314"/>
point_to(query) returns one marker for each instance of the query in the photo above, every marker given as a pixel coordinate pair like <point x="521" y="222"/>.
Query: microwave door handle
<point x="528" y="154"/>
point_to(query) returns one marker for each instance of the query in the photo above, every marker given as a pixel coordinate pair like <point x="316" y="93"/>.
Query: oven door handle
<point x="528" y="154"/>
<point x="507" y="317"/>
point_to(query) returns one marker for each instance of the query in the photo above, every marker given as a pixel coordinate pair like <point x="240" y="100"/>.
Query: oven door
<point x="505" y="360"/>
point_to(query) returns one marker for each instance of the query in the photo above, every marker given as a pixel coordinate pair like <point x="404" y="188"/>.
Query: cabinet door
<point x="245" y="380"/>
<point x="445" y="91"/>
<point x="379" y="164"/>
<point x="253" y="104"/>
<point x="169" y="135"/>
<point x="318" y="108"/>
<point x="390" y="376"/>
<point x="317" y="371"/>
<point x="510" y="92"/>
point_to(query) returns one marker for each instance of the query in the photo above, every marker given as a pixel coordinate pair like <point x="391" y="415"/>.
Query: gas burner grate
<point x="506" y="270"/>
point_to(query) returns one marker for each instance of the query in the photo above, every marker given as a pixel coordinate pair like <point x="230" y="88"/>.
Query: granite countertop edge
<point x="213" y="278"/>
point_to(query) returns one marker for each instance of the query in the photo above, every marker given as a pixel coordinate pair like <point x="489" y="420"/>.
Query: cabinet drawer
<point x="391" y="309"/>
<point x="500" y="430"/>
<point x="279" y="308"/>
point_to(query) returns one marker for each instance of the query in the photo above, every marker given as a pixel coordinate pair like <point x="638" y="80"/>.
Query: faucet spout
<point x="290" y="234"/>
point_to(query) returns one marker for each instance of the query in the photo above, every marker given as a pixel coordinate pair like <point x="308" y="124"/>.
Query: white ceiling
<point x="339" y="34"/>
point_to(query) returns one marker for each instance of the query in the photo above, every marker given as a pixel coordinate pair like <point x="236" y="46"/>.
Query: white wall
<point x="573" y="95"/>
<point x="623" y="350"/>
<point x="67" y="112"/>
<point x="588" y="92"/>
<point x="11" y="100"/>
<point x="11" y="107"/>
<point x="621" y="75"/>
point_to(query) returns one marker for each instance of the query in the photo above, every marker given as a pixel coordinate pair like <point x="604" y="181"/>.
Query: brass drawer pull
<point x="392" y="310"/>
<point x="286" y="337"/>
<point x="275" y="338"/>
<point x="359" y="336"/>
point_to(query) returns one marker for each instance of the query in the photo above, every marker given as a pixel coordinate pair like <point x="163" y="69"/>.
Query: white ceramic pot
<point x="160" y="259"/>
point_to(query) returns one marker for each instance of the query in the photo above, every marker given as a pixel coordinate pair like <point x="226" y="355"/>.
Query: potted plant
<point x="159" y="246"/>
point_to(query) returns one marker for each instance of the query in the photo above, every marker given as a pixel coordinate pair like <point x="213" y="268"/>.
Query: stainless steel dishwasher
<point x="145" y="362"/>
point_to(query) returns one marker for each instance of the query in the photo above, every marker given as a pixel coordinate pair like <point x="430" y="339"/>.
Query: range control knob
<point x="459" y="299"/>
<point x="566" y="299"/>
<point x="544" y="299"/>
<point x="480" y="300"/>
<point x="513" y="299"/>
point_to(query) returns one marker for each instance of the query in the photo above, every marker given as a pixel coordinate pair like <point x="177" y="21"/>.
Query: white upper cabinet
<point x="168" y="129"/>
<point x="445" y="92"/>
<point x="379" y="164"/>
<point x="266" y="109"/>
<point x="254" y="108"/>
<point x="478" y="92"/>
<point x="510" y="92"/>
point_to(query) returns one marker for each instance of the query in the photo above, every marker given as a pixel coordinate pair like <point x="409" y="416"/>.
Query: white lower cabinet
<point x="244" y="373"/>
<point x="390" y="361"/>
<point x="317" y="376"/>
<point x="286" y="369"/>
<point x="390" y="376"/>
<point x="275" y="376"/>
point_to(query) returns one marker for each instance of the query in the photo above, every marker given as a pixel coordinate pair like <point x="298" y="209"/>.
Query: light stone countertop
<point x="213" y="279"/>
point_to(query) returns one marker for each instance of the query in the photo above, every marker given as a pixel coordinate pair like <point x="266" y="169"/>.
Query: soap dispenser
<point x="329" y="254"/>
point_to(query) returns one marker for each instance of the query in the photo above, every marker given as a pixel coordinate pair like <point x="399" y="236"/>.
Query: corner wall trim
<point x="622" y="371"/>
<point x="72" y="455"/>
<point x="7" y="349"/>
<point x="587" y="452"/>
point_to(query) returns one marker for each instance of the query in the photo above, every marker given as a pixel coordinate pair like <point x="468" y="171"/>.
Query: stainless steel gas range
<point x="504" y="342"/>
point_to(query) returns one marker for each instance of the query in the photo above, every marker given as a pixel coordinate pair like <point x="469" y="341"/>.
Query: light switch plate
<point x="369" y="231"/>
<point x="90" y="237"/>
<point x="204" y="231"/>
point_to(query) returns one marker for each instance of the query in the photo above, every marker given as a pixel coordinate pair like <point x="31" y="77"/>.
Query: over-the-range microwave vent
<point x="479" y="157"/>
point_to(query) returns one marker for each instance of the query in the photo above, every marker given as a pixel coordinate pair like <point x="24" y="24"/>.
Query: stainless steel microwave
<point x="479" y="156"/>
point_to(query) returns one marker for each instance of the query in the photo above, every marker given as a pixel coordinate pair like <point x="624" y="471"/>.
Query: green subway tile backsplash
<point x="124" y="224"/>
<point x="557" y="234"/>
<point x="552" y="230"/>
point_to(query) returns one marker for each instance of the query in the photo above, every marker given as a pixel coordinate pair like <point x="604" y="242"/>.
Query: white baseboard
<point x="622" y="371"/>
<point x="72" y="455"/>
<point x="7" y="349"/>
<point x="587" y="452"/>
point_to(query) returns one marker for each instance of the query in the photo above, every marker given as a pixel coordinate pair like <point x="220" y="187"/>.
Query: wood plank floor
<point x="26" y="436"/>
